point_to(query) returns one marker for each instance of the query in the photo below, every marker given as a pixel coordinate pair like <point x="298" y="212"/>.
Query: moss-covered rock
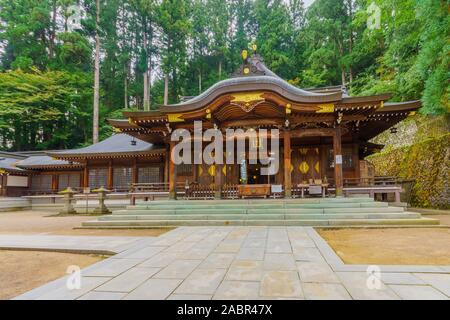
<point x="428" y="162"/>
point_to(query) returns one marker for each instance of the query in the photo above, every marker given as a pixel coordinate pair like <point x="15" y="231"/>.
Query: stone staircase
<point x="256" y="212"/>
<point x="13" y="204"/>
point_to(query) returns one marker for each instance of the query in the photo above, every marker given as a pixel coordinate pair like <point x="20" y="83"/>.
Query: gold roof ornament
<point x="244" y="54"/>
<point x="288" y="108"/>
<point x="325" y="108"/>
<point x="175" y="117"/>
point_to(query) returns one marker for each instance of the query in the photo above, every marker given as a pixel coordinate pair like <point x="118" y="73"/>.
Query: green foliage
<point x="51" y="103"/>
<point x="196" y="43"/>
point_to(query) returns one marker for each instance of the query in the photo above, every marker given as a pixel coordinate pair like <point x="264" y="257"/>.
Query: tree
<point x="96" y="102"/>
<point x="175" y="25"/>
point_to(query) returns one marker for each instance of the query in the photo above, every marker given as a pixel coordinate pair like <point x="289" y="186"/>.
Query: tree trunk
<point x="220" y="69"/>
<point x="149" y="76"/>
<point x="166" y="89"/>
<point x="199" y="81"/>
<point x="145" y="74"/>
<point x="350" y="46"/>
<point x="146" y="98"/>
<point x="95" y="121"/>
<point x="125" y="87"/>
<point x="51" y="47"/>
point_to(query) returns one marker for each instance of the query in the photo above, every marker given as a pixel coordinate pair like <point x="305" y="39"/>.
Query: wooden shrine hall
<point x="324" y="134"/>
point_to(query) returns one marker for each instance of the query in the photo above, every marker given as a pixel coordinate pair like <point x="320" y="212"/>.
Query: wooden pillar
<point x="166" y="165"/>
<point x="287" y="164"/>
<point x="3" y="184"/>
<point x="356" y="163"/>
<point x="172" y="174"/>
<point x="337" y="152"/>
<point x="110" y="175"/>
<point x="218" y="181"/>
<point x="134" y="172"/>
<point x="86" y="175"/>
<point x="54" y="183"/>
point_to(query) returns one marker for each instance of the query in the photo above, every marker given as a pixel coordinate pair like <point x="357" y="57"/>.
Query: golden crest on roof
<point x="325" y="108"/>
<point x="244" y="54"/>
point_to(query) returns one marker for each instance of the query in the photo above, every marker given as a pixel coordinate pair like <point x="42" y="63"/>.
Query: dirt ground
<point x="410" y="246"/>
<point x="40" y="222"/>
<point x="21" y="271"/>
<point x="444" y="218"/>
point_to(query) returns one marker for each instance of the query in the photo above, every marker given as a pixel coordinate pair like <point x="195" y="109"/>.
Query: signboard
<point x="276" y="188"/>
<point x="315" y="190"/>
<point x="339" y="159"/>
<point x="17" y="181"/>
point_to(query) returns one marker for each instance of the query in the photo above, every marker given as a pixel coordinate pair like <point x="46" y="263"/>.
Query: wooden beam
<point x="252" y="122"/>
<point x="313" y="132"/>
<point x="287" y="164"/>
<point x="337" y="148"/>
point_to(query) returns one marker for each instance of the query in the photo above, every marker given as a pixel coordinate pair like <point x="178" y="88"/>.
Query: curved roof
<point x="252" y="83"/>
<point x="256" y="77"/>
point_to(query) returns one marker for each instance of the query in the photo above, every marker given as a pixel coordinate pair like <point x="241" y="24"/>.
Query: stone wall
<point x="427" y="161"/>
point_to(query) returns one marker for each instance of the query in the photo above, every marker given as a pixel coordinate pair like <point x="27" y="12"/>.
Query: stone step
<point x="409" y="215"/>
<point x="253" y="201"/>
<point x="257" y="211"/>
<point x="333" y="222"/>
<point x="267" y="206"/>
<point x="13" y="204"/>
<point x="13" y="208"/>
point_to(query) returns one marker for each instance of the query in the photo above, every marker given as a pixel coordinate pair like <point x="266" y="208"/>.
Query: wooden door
<point x="306" y="164"/>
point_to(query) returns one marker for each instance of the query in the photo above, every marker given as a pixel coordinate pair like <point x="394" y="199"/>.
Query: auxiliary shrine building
<point x="324" y="137"/>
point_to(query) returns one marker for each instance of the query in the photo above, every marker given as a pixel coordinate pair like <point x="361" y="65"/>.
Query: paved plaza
<point x="231" y="263"/>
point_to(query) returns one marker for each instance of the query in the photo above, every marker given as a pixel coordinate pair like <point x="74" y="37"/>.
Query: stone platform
<point x="358" y="211"/>
<point x="241" y="263"/>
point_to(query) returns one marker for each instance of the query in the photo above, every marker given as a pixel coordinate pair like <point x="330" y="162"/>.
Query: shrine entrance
<point x="254" y="174"/>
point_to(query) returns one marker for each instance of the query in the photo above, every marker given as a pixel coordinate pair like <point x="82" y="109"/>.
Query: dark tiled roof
<point x="44" y="162"/>
<point x="9" y="164"/>
<point x="116" y="144"/>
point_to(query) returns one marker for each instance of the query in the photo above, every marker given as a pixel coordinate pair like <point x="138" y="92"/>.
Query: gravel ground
<point x="409" y="246"/>
<point x="21" y="271"/>
<point x="41" y="222"/>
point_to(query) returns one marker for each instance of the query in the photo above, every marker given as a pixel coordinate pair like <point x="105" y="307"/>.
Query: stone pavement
<point x="243" y="263"/>
<point x="79" y="244"/>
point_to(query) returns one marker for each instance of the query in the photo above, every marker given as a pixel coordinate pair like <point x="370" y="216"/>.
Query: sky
<point x="307" y="3"/>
